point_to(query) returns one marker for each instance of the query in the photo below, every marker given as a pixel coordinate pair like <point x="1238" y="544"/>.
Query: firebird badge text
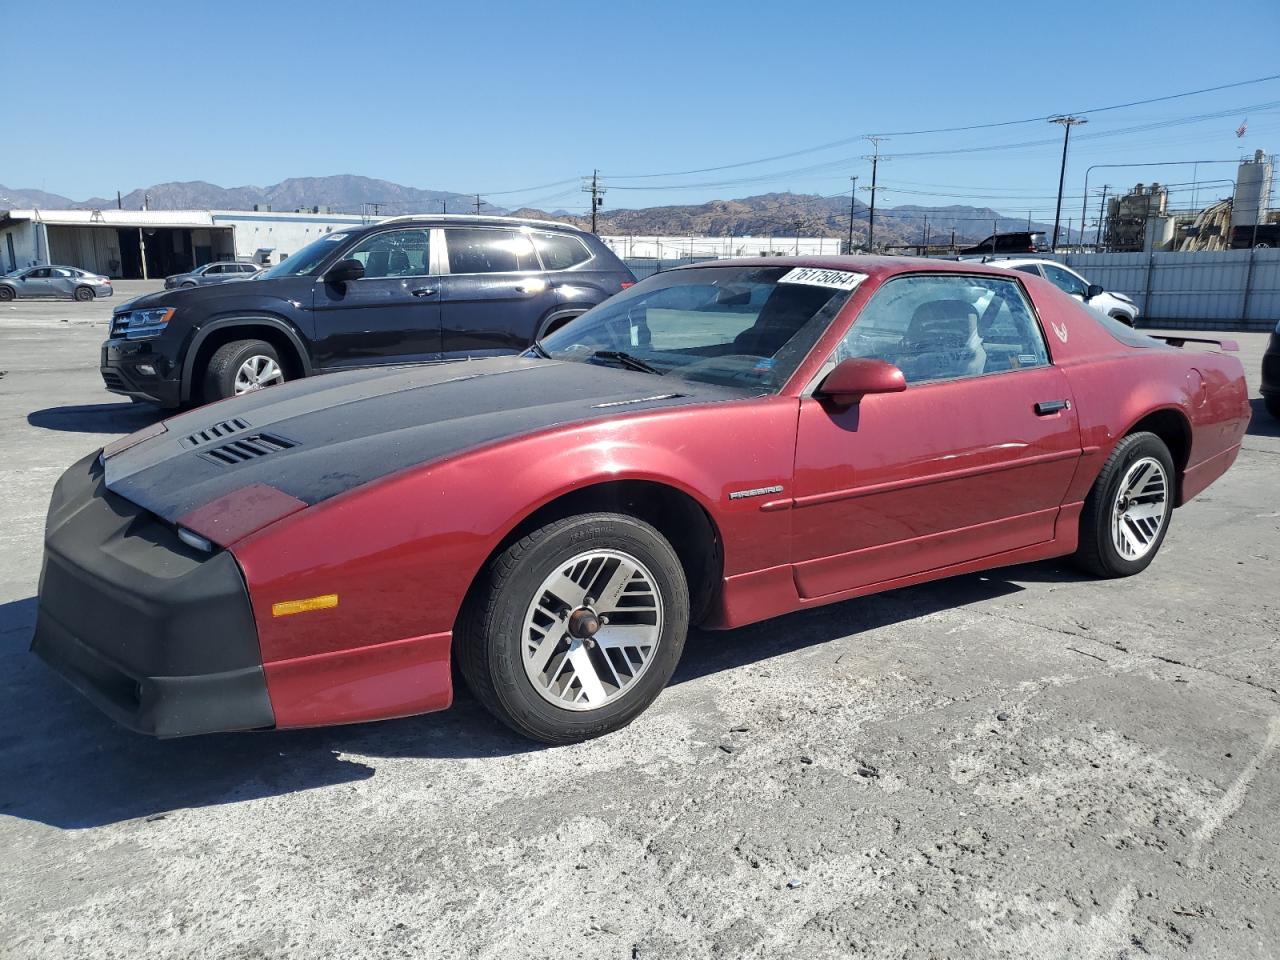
<point x="757" y="492"/>
<point x="1060" y="329"/>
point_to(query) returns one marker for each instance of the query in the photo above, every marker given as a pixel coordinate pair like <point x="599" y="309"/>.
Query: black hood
<point x="206" y="299"/>
<point x="324" y="435"/>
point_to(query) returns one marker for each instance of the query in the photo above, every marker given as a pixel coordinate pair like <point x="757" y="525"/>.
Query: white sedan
<point x="1114" y="305"/>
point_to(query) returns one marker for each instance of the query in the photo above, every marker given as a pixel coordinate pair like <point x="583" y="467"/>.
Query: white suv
<point x="1115" y="305"/>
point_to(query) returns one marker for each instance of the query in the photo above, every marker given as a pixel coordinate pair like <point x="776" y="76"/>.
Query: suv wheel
<point x="242" y="366"/>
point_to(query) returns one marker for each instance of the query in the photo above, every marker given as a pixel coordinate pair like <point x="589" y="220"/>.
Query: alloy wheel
<point x="1139" y="510"/>
<point x="257" y="372"/>
<point x="592" y="629"/>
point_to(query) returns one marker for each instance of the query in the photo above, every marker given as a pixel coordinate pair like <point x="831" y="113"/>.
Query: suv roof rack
<point x="482" y="218"/>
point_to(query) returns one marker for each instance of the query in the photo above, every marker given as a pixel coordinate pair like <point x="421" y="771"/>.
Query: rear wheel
<point x="577" y="627"/>
<point x="83" y="294"/>
<point x="1127" y="513"/>
<point x="240" y="367"/>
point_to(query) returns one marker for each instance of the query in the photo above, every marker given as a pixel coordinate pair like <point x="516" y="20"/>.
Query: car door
<point x="36" y="283"/>
<point x="972" y="460"/>
<point x="392" y="314"/>
<point x="62" y="282"/>
<point x="494" y="294"/>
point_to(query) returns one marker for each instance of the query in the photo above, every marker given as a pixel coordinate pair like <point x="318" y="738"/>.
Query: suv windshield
<point x="745" y="327"/>
<point x="308" y="258"/>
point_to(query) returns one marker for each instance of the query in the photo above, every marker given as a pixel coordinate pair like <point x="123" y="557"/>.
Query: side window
<point x="1065" y="280"/>
<point x="947" y="327"/>
<point x="41" y="274"/>
<point x="481" y="250"/>
<point x="397" y="253"/>
<point x="214" y="271"/>
<point x="559" y="251"/>
<point x="1031" y="268"/>
<point x="64" y="274"/>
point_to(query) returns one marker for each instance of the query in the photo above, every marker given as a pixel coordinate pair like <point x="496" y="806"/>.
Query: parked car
<point x="54" y="281"/>
<point x="410" y="289"/>
<point x="220" y="272"/>
<point x="1115" y="305"/>
<point x="1271" y="374"/>
<point x="720" y="444"/>
<point x="1032" y="241"/>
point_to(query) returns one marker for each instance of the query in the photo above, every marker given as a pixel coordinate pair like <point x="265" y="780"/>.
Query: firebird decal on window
<point x="756" y="492"/>
<point x="1060" y="330"/>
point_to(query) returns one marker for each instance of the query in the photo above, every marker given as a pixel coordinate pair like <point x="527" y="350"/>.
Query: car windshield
<point x="308" y="258"/>
<point x="743" y="327"/>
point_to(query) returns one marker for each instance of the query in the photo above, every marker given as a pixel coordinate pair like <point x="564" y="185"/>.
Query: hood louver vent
<point x="219" y="431"/>
<point x="246" y="448"/>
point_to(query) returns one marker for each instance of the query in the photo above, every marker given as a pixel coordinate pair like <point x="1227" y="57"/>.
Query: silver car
<point x="219" y="272"/>
<point x="53" y="281"/>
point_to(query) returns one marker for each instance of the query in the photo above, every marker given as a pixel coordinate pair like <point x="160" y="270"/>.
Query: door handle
<point x="535" y="285"/>
<point x="423" y="291"/>
<point x="1046" y="407"/>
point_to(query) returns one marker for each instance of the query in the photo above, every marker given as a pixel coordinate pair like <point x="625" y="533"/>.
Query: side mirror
<point x="856" y="377"/>
<point x="1095" y="290"/>
<point x="344" y="271"/>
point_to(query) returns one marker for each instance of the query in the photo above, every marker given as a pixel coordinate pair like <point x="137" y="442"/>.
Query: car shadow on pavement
<point x="96" y="417"/>
<point x="66" y="765"/>
<point x="1262" y="424"/>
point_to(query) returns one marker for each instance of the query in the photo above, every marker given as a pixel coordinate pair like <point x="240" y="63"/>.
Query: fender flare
<point x="560" y="313"/>
<point x="303" y="356"/>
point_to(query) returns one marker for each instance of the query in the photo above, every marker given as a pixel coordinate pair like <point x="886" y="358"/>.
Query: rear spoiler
<point x="1230" y="346"/>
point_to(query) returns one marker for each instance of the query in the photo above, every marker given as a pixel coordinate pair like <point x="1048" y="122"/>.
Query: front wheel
<point x="1126" y="514"/>
<point x="240" y="367"/>
<point x="577" y="627"/>
<point x="6" y="294"/>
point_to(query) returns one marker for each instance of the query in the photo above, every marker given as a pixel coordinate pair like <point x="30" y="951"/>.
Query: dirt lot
<point x="1020" y="764"/>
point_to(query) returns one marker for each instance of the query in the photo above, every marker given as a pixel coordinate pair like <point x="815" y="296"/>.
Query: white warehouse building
<point x="672" y="248"/>
<point x="137" y="244"/>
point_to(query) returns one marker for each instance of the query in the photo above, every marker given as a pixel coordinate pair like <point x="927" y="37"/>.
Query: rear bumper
<point x="123" y="367"/>
<point x="157" y="635"/>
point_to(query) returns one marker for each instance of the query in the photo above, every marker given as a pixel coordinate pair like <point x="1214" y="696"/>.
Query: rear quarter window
<point x="559" y="251"/>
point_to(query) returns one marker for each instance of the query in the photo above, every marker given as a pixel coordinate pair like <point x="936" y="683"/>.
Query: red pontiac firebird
<point x="717" y="445"/>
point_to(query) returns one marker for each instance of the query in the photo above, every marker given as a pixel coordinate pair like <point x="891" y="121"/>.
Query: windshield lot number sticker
<point x="817" y="277"/>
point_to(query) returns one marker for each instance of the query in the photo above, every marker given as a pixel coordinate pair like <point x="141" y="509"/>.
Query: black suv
<point x="405" y="290"/>
<point x="1022" y="242"/>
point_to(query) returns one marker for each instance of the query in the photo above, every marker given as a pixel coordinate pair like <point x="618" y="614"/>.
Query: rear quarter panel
<point x="1114" y="386"/>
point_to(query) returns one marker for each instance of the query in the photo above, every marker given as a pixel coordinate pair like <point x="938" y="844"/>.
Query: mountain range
<point x="772" y="214"/>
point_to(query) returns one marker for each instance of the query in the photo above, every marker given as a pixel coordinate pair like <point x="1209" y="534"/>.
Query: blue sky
<point x="505" y="96"/>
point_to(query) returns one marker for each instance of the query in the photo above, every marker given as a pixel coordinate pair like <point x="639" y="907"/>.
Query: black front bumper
<point x="1271" y="367"/>
<point x="158" y="635"/>
<point x="123" y="371"/>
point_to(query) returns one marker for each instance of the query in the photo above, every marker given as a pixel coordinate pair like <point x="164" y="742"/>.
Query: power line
<point x="973" y="126"/>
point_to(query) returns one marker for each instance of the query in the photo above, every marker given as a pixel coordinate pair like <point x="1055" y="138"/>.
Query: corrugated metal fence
<point x="1223" y="290"/>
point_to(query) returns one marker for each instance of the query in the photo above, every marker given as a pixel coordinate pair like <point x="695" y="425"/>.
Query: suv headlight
<point x="141" y="324"/>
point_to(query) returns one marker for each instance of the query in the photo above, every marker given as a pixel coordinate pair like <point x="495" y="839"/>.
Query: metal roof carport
<point x="124" y="244"/>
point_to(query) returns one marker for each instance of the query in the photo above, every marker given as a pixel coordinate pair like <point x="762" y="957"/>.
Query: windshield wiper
<point x="627" y="360"/>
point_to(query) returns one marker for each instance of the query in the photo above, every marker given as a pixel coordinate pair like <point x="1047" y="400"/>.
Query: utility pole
<point x="926" y="236"/>
<point x="444" y="206"/>
<point x="1067" y="123"/>
<point x="592" y="186"/>
<point x="853" y="197"/>
<point x="871" y="216"/>
<point x="797" y="236"/>
<point x="119" y="202"/>
<point x="1102" y="212"/>
<point x="995" y="230"/>
<point x="477" y="203"/>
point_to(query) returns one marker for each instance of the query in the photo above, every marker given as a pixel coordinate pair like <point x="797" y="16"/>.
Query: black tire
<point x="1273" y="405"/>
<point x="220" y="374"/>
<point x="489" y="645"/>
<point x="83" y="294"/>
<point x="6" y="294"/>
<point x="186" y="286"/>
<point x="1097" y="553"/>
